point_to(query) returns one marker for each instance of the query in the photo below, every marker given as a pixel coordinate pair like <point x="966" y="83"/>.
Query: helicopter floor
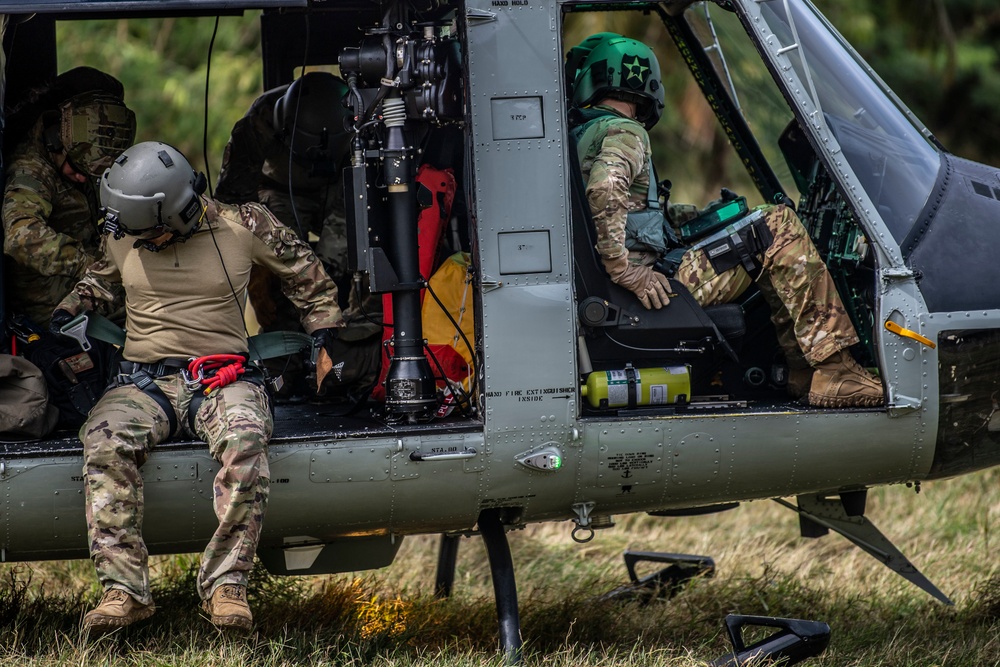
<point x="293" y="422"/>
<point x="304" y="422"/>
<point x="719" y="407"/>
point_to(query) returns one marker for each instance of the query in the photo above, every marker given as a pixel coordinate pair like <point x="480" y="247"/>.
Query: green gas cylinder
<point x="631" y="387"/>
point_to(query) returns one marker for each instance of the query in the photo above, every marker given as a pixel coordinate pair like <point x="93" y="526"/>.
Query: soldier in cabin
<point x="617" y="97"/>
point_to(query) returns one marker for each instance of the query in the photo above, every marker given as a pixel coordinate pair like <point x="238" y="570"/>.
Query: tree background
<point x="940" y="56"/>
<point x="163" y="65"/>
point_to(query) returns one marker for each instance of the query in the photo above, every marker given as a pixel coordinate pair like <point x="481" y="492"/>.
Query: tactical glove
<point x="324" y="363"/>
<point x="650" y="286"/>
<point x="60" y="318"/>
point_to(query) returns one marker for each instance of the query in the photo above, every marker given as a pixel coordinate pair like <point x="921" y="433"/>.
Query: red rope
<point x="217" y="370"/>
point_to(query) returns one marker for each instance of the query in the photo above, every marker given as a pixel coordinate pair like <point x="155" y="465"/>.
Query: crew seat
<point x="618" y="329"/>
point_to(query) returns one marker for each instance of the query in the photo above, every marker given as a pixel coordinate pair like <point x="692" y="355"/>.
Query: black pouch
<point x="76" y="378"/>
<point x="649" y="230"/>
<point x="743" y="244"/>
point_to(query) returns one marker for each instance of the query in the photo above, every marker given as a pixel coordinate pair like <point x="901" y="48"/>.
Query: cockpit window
<point x="749" y="83"/>
<point x="895" y="163"/>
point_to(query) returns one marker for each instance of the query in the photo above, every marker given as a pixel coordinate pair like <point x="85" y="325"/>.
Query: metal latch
<point x="77" y="329"/>
<point x="458" y="455"/>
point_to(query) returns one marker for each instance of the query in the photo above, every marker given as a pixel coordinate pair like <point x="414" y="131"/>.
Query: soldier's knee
<point x="110" y="457"/>
<point x="785" y="227"/>
<point x="249" y="447"/>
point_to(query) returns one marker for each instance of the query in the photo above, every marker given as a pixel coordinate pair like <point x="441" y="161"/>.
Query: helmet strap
<point x="175" y="237"/>
<point x="50" y="135"/>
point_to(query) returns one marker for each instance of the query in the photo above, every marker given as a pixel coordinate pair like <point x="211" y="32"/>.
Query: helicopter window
<point x="893" y="160"/>
<point x="832" y="226"/>
<point x="738" y="64"/>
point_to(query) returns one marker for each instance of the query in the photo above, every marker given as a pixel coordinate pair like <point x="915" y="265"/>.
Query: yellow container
<point x="633" y="387"/>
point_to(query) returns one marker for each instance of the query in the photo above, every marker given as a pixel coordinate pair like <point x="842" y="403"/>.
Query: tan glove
<point x="324" y="364"/>
<point x="650" y="286"/>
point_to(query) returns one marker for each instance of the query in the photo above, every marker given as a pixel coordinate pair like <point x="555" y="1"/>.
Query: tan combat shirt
<point x="186" y="300"/>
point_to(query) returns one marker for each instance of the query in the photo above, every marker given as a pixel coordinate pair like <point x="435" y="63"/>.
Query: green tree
<point x="163" y="64"/>
<point x="941" y="58"/>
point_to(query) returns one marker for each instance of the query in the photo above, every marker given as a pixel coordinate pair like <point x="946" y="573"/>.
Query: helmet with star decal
<point x="620" y="68"/>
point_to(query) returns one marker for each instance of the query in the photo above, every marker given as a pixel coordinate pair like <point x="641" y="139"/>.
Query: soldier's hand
<point x="652" y="287"/>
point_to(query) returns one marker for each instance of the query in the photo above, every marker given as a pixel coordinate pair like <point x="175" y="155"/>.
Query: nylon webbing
<point x="262" y="346"/>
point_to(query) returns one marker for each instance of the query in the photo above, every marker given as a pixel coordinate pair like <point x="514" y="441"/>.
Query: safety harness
<point x="201" y="374"/>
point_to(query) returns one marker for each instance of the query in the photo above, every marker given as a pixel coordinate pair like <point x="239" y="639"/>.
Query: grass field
<point x="390" y="617"/>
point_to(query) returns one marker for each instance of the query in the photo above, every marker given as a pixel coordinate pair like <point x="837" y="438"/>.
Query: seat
<point x="619" y="329"/>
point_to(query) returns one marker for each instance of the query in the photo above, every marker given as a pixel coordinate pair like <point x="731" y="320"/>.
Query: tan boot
<point x="116" y="610"/>
<point x="228" y="608"/>
<point x="839" y="382"/>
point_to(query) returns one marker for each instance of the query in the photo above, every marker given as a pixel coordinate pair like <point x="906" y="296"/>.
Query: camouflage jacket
<point x="50" y="230"/>
<point x="182" y="301"/>
<point x="614" y="154"/>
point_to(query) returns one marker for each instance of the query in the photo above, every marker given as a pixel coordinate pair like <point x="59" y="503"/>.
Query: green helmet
<point x="95" y="127"/>
<point x="610" y="65"/>
<point x="151" y="189"/>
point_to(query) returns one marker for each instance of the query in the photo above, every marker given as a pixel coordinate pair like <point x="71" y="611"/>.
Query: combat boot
<point x="116" y="610"/>
<point x="228" y="608"/>
<point x="839" y="382"/>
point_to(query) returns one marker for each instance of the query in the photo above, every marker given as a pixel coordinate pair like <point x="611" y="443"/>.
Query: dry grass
<point x="390" y="617"/>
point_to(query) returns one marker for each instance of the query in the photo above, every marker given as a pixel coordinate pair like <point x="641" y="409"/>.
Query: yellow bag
<point x="452" y="284"/>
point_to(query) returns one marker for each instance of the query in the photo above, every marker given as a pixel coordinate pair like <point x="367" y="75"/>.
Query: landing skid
<point x="794" y="641"/>
<point x="818" y="514"/>
<point x="666" y="582"/>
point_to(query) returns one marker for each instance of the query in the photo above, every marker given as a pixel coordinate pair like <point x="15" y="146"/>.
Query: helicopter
<point x="554" y="424"/>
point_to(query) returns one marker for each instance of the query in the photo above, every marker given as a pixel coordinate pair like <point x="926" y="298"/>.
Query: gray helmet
<point x="311" y="120"/>
<point x="609" y="65"/>
<point x="150" y="189"/>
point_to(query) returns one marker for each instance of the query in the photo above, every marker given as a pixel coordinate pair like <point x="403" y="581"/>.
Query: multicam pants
<point x="806" y="309"/>
<point x="118" y="436"/>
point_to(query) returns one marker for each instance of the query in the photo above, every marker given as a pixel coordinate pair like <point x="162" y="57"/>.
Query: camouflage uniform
<point x="50" y="230"/>
<point x="50" y="220"/>
<point x="805" y="307"/>
<point x="124" y="427"/>
<point x="169" y="318"/>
